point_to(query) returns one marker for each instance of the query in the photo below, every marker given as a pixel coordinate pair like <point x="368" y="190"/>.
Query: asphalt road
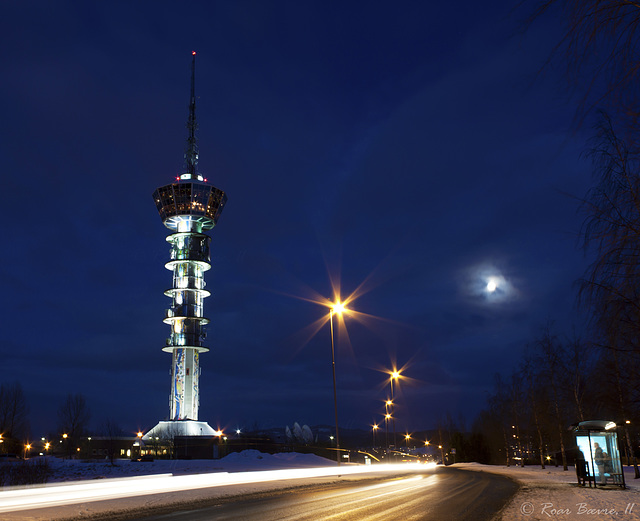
<point x="440" y="495"/>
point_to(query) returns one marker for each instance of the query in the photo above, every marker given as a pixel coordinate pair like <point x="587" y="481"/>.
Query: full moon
<point x="492" y="285"/>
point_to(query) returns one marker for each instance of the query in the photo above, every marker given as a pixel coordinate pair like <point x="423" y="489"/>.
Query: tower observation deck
<point x="188" y="207"/>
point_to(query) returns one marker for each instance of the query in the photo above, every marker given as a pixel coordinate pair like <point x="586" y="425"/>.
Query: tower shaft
<point x="189" y="260"/>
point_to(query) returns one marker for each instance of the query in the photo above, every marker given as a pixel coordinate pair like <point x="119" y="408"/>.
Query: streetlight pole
<point x="386" y="426"/>
<point x="394" y="376"/>
<point x="335" y="308"/>
<point x="387" y="417"/>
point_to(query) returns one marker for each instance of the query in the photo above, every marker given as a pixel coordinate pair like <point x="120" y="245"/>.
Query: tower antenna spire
<point x="191" y="151"/>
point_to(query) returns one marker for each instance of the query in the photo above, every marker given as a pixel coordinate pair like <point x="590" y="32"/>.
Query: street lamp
<point x="374" y="427"/>
<point x="407" y="437"/>
<point x="387" y="417"/>
<point x="339" y="308"/>
<point x="394" y="375"/>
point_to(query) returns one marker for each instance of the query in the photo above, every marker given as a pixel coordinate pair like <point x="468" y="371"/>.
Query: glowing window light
<point x="177" y="326"/>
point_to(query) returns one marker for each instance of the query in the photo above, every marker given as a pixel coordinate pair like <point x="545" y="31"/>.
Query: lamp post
<point x="338" y="308"/>
<point x="65" y="447"/>
<point x="139" y="435"/>
<point x="387" y="417"/>
<point x="394" y="375"/>
<point x="374" y="427"/>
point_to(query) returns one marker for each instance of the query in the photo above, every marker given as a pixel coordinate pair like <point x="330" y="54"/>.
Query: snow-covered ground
<point x="248" y="460"/>
<point x="555" y="494"/>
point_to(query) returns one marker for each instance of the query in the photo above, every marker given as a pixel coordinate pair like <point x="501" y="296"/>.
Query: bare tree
<point x="550" y="352"/>
<point x="111" y="431"/>
<point x="534" y="401"/>
<point x="13" y="412"/>
<point x="500" y="405"/>
<point x="516" y="398"/>
<point x="623" y="408"/>
<point x="73" y="419"/>
<point x="611" y="286"/>
<point x="599" y="49"/>
<point x="579" y="360"/>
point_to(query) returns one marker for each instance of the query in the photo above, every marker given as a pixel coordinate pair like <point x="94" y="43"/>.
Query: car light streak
<point x="27" y="498"/>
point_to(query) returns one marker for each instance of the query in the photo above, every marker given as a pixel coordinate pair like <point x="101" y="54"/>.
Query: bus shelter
<point x="598" y="455"/>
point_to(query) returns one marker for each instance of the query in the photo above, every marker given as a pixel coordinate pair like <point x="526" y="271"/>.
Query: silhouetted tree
<point x="73" y="419"/>
<point x="111" y="432"/>
<point x="534" y="397"/>
<point x="501" y="407"/>
<point x="599" y="50"/>
<point x="551" y="356"/>
<point x="611" y="230"/>
<point x="579" y="367"/>
<point x="13" y="416"/>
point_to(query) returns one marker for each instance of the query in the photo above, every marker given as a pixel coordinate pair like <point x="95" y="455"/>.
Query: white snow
<point x="248" y="460"/>
<point x="552" y="493"/>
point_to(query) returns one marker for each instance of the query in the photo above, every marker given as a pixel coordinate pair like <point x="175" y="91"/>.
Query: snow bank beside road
<point x="552" y="493"/>
<point x="248" y="460"/>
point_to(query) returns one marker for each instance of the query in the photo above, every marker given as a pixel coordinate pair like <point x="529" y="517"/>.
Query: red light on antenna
<point x="205" y="180"/>
<point x="193" y="53"/>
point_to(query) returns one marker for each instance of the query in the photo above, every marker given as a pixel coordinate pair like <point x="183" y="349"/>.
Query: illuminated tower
<point x="189" y="207"/>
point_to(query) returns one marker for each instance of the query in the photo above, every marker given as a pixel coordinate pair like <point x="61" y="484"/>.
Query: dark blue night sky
<point x="410" y="147"/>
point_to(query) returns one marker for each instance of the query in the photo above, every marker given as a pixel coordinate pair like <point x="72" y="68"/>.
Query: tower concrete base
<point x="170" y="429"/>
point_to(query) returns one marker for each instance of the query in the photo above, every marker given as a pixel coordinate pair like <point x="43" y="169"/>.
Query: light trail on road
<point x="442" y="494"/>
<point x="27" y="498"/>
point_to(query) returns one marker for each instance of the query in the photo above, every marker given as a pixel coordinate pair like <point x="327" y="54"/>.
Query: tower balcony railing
<point x="188" y="314"/>
<point x="186" y="310"/>
<point x="187" y="283"/>
<point x="202" y="265"/>
<point x="190" y="255"/>
<point x="186" y="340"/>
